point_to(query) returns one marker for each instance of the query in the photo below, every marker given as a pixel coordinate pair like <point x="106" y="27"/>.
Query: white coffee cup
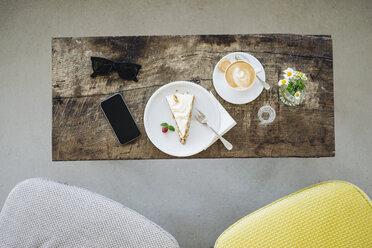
<point x="239" y="75"/>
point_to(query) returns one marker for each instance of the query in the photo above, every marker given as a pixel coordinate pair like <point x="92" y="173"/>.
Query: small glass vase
<point x="289" y="99"/>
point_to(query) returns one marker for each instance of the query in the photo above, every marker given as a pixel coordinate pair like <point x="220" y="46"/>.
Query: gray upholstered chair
<point x="42" y="213"/>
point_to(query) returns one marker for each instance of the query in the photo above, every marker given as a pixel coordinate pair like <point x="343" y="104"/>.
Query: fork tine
<point x="196" y="115"/>
<point x="200" y="117"/>
<point x="197" y="110"/>
<point x="200" y="113"/>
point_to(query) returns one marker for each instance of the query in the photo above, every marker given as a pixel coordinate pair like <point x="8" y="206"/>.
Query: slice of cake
<point x="181" y="109"/>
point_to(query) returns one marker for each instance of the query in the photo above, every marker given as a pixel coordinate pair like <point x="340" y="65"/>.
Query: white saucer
<point x="231" y="95"/>
<point x="157" y="111"/>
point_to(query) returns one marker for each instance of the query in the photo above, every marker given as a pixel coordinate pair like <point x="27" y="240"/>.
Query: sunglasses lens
<point x="101" y="66"/>
<point x="128" y="71"/>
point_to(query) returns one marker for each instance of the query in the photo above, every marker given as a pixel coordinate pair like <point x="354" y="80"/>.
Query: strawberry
<point x="166" y="127"/>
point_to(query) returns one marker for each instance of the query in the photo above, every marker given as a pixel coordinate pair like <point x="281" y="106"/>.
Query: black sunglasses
<point x="103" y="67"/>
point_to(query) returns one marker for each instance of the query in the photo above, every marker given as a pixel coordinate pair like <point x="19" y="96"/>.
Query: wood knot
<point x="195" y="80"/>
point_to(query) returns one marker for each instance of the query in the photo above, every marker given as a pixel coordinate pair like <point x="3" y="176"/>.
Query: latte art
<point x="240" y="75"/>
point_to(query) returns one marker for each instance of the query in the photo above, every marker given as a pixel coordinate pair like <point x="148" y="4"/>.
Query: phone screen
<point x="120" y="118"/>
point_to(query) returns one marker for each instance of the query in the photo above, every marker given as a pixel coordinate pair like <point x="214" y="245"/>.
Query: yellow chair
<point x="329" y="214"/>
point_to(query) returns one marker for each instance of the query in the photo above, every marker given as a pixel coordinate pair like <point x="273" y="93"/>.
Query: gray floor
<point x="194" y="200"/>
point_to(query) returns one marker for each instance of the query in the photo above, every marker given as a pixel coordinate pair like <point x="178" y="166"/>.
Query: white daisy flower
<point x="289" y="73"/>
<point x="304" y="77"/>
<point x="297" y="95"/>
<point x="283" y="82"/>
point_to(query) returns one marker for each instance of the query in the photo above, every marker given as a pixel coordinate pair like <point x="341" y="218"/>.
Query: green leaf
<point x="171" y="128"/>
<point x="291" y="88"/>
<point x="301" y="86"/>
<point x="164" y="124"/>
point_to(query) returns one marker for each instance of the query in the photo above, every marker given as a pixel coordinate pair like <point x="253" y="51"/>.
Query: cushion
<point x="329" y="214"/>
<point x="42" y="213"/>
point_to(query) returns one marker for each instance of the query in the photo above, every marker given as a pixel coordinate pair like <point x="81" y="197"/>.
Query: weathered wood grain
<point x="81" y="132"/>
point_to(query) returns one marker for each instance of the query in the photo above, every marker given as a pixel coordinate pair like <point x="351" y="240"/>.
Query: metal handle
<point x="264" y="84"/>
<point x="227" y="144"/>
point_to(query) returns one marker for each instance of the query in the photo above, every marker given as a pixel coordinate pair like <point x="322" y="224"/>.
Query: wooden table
<point x="81" y="132"/>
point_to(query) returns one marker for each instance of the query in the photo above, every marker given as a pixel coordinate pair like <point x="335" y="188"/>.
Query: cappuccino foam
<point x="240" y="75"/>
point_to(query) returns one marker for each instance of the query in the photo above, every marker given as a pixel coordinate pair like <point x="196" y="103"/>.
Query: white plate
<point x="231" y="95"/>
<point x="157" y="111"/>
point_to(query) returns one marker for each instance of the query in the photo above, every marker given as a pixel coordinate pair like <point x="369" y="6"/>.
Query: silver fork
<point x="199" y="116"/>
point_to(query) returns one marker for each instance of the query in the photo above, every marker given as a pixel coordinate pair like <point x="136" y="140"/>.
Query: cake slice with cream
<point x="181" y="108"/>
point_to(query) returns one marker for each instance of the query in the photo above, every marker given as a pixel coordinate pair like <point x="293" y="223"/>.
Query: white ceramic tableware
<point x="157" y="111"/>
<point x="238" y="96"/>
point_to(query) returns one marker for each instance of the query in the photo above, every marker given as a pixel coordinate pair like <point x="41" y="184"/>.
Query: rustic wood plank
<point x="80" y="131"/>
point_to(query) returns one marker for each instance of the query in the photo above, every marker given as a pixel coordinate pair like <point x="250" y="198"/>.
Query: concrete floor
<point x="194" y="200"/>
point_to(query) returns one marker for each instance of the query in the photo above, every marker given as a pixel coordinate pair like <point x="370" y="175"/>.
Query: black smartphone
<point x="120" y="118"/>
